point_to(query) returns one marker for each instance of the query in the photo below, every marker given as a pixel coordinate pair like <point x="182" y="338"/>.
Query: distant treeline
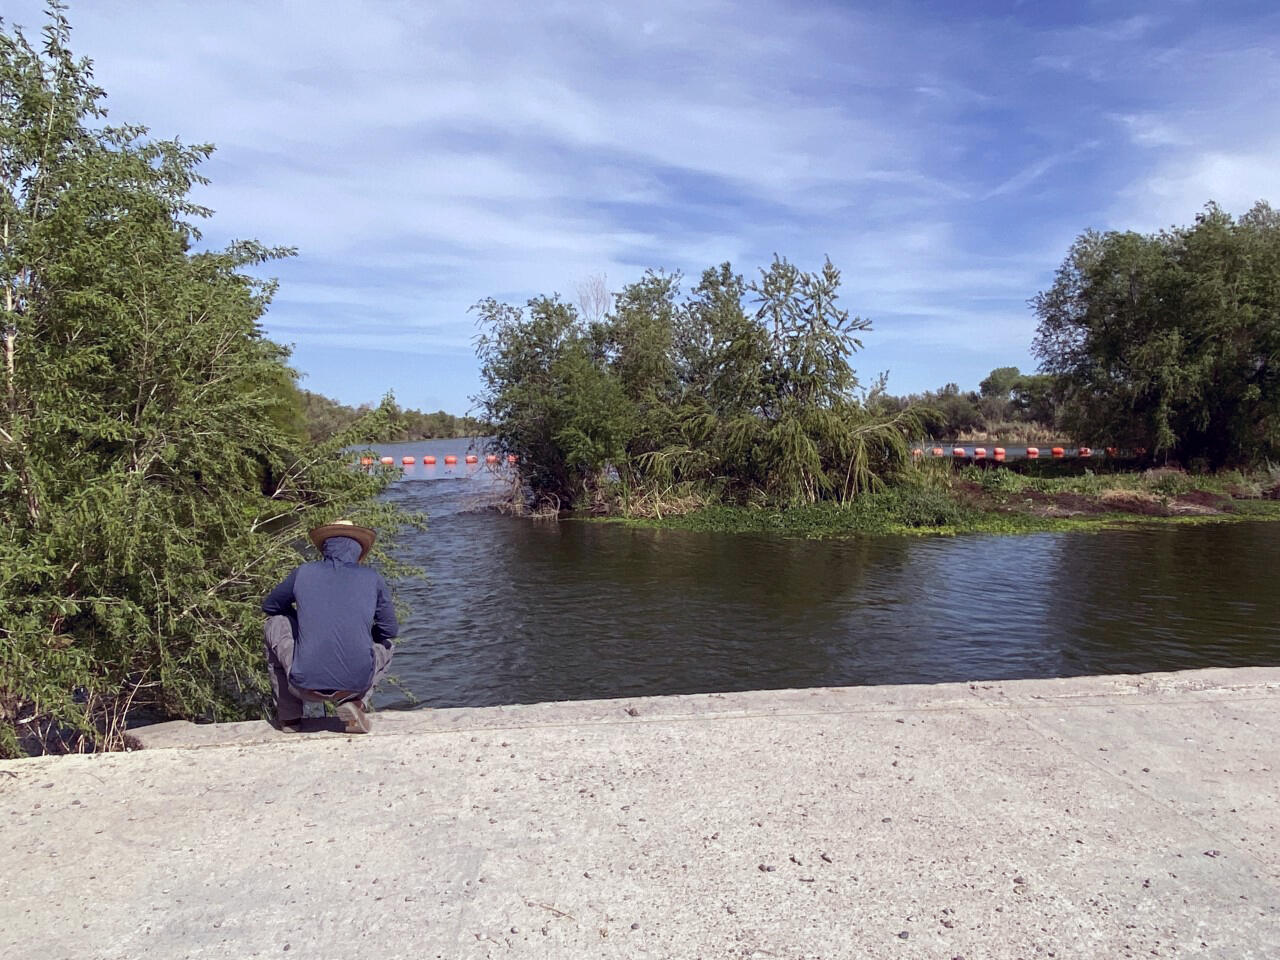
<point x="1008" y="405"/>
<point x="325" y="418"/>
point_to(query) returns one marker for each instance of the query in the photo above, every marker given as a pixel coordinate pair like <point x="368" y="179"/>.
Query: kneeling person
<point x="329" y="629"/>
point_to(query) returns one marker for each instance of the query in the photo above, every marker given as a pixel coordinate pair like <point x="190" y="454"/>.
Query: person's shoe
<point x="354" y="717"/>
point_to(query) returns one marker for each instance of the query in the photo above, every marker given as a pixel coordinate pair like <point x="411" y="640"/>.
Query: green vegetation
<point x="1009" y="405"/>
<point x="937" y="500"/>
<point x="670" y="400"/>
<point x="1165" y="343"/>
<point x="1170" y="342"/>
<point x="155" y="478"/>
<point x="323" y="419"/>
<point x="703" y="414"/>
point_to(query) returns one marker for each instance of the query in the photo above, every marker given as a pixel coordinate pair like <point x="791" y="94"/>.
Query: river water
<point x="519" y="611"/>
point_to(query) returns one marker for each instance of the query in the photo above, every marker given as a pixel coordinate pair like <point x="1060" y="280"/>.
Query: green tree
<point x="1035" y="398"/>
<point x="1169" y="341"/>
<point x="552" y="397"/>
<point x="153" y="482"/>
<point x="1000" y="383"/>
<point x="997" y="394"/>
<point x="689" y="400"/>
<point x="724" y="352"/>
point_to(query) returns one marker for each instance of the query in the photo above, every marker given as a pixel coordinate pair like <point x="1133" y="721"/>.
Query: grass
<point x="975" y="500"/>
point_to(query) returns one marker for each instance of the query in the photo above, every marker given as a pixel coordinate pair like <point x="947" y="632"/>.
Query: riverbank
<point x="1101" y="816"/>
<point x="998" y="500"/>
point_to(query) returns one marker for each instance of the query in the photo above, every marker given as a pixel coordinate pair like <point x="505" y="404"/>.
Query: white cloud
<point x="1178" y="189"/>
<point x="422" y="156"/>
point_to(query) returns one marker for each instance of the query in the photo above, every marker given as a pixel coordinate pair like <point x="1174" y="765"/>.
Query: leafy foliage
<point x="1008" y="405"/>
<point x="323" y="418"/>
<point x="688" y="399"/>
<point x="1170" y="341"/>
<point x="154" y="479"/>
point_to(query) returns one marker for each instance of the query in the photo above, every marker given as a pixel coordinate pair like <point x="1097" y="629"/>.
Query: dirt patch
<point x="1135" y="501"/>
<point x="1203" y="502"/>
<point x="1238" y="492"/>
<point x="1067" y="504"/>
<point x="1058" y="504"/>
<point x="1078" y="503"/>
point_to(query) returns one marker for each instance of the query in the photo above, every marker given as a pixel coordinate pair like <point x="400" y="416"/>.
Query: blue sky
<point x="424" y="155"/>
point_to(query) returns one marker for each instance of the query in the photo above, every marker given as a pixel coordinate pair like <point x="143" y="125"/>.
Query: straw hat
<point x="344" y="528"/>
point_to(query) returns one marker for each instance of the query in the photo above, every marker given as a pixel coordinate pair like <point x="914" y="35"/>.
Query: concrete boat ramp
<point x="1093" y="817"/>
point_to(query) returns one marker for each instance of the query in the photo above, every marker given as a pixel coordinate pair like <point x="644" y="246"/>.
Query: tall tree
<point x="1171" y="341"/>
<point x="153" y="482"/>
<point x="696" y="396"/>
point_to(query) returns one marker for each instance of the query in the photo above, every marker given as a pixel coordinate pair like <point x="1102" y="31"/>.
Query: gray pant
<point x="281" y="633"/>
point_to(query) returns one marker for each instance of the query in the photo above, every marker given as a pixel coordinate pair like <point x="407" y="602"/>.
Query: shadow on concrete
<point x="320" y="725"/>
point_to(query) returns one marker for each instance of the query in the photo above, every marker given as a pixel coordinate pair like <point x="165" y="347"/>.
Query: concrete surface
<point x="1092" y="817"/>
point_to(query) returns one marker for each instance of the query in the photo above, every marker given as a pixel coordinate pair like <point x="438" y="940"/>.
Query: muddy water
<point x="513" y="611"/>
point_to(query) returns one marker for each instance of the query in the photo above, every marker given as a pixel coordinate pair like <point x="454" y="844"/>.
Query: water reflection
<point x="514" y="611"/>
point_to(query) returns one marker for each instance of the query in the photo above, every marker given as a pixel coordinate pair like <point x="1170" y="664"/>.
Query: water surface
<point x="515" y="611"/>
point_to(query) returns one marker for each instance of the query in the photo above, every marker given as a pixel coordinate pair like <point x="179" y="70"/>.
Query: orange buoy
<point x="958" y="452"/>
<point x="1033" y="453"/>
<point x="450" y="459"/>
<point x="917" y="452"/>
<point x="366" y="461"/>
<point x="1140" y="451"/>
<point x="472" y="458"/>
<point x="998" y="452"/>
<point x="387" y="461"/>
<point x="937" y="451"/>
<point x="1112" y="451"/>
<point x="979" y="453"/>
<point x="407" y="460"/>
<point x="429" y="460"/>
<point x="1059" y="453"/>
<point x="1086" y="452"/>
<point x="490" y="458"/>
<point x="511" y="458"/>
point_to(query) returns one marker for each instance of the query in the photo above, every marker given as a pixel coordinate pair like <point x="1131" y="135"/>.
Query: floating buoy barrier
<point x="429" y="460"/>
<point x="450" y="460"/>
<point x="407" y="460"/>
<point x="472" y="458"/>
<point x="366" y="461"/>
<point x="387" y="461"/>
<point x="511" y="458"/>
<point x="978" y="454"/>
<point x="491" y="458"/>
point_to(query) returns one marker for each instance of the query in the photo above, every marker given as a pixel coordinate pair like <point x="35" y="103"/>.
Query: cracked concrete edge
<point x="1190" y="685"/>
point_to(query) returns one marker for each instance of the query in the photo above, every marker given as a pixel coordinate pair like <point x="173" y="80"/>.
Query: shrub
<point x="153" y="480"/>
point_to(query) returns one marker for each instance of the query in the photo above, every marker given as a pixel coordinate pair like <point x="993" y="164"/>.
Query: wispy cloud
<point x="424" y="156"/>
<point x="1036" y="171"/>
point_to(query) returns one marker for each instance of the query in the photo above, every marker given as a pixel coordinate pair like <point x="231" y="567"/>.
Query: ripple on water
<point x="513" y="611"/>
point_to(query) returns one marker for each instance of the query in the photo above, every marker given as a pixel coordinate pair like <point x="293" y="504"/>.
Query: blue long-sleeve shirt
<point x="343" y="608"/>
